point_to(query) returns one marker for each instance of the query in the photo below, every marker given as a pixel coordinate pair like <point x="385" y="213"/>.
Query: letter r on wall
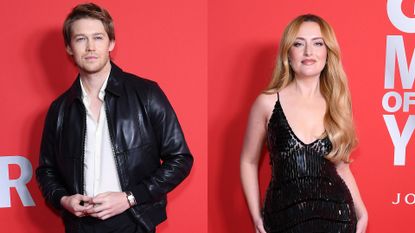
<point x="20" y="183"/>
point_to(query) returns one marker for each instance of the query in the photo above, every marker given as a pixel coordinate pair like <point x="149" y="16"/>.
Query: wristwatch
<point x="131" y="199"/>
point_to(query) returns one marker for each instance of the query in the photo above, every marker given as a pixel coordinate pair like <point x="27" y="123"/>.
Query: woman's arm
<point x="345" y="173"/>
<point x="250" y="155"/>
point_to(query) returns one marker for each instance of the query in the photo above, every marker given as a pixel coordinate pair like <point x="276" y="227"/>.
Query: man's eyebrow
<point x="83" y="34"/>
<point x="79" y="34"/>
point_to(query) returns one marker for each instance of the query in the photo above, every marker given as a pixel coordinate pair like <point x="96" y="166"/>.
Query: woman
<point x="305" y="117"/>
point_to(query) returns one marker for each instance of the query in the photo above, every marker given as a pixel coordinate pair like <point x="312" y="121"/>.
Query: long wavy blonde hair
<point x="338" y="119"/>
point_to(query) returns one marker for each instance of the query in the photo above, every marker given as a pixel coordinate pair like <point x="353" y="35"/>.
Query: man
<point x="112" y="147"/>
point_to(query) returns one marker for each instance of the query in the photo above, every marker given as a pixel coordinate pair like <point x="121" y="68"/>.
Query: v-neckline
<point x="292" y="131"/>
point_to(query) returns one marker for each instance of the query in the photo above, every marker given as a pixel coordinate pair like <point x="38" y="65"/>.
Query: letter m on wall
<point x="395" y="48"/>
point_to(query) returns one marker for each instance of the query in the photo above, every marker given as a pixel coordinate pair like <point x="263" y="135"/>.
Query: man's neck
<point x="93" y="82"/>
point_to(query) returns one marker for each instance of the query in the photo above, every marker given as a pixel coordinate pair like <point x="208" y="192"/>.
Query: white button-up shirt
<point x="99" y="161"/>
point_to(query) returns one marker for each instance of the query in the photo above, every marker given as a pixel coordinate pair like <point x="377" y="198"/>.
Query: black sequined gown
<point x="305" y="193"/>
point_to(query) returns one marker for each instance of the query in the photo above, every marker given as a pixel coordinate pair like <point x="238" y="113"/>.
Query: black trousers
<point x="122" y="223"/>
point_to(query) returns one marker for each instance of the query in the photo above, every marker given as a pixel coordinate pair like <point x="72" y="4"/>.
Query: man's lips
<point x="90" y="57"/>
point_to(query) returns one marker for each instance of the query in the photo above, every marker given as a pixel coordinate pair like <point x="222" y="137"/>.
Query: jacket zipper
<point x="121" y="178"/>
<point x="83" y="153"/>
<point x="110" y="129"/>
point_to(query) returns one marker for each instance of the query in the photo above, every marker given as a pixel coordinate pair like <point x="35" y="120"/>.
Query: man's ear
<point x="69" y="50"/>
<point x="112" y="45"/>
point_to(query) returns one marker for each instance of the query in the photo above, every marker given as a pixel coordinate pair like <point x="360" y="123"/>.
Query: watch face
<point x="131" y="199"/>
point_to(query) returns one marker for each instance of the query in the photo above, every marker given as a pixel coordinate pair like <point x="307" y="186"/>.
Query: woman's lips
<point x="308" y="61"/>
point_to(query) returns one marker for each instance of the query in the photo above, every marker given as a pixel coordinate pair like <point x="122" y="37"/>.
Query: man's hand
<point x="73" y="204"/>
<point x="108" y="204"/>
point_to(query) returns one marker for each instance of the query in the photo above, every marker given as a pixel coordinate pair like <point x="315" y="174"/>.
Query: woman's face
<point x="308" y="54"/>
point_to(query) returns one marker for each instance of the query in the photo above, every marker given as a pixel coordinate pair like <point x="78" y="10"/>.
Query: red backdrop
<point x="243" y="41"/>
<point x="169" y="41"/>
<point x="160" y="40"/>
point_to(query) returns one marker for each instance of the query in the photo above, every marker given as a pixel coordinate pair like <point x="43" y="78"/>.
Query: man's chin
<point x="91" y="69"/>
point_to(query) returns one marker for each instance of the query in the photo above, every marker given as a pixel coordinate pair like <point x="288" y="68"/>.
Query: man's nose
<point x="90" y="45"/>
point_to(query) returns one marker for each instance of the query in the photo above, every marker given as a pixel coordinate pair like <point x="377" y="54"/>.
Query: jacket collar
<point x="115" y="80"/>
<point x="114" y="85"/>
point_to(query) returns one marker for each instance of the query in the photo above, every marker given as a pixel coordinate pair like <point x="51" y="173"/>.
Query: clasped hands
<point x="102" y="206"/>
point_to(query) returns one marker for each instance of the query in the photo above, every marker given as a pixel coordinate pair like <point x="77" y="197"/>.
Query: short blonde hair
<point x="88" y="10"/>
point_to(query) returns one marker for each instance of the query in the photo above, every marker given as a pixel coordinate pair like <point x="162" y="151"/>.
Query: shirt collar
<point x="101" y="93"/>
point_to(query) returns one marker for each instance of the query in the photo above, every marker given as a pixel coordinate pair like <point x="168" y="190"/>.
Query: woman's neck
<point x="307" y="87"/>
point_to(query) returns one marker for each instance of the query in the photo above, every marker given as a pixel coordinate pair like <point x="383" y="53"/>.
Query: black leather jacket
<point x="144" y="131"/>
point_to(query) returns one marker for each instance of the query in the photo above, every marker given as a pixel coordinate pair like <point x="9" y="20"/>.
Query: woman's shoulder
<point x="265" y="101"/>
<point x="268" y="96"/>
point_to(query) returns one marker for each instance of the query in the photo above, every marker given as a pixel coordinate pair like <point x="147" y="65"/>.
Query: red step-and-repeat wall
<point x="161" y="40"/>
<point x="377" y="42"/>
<point x="213" y="58"/>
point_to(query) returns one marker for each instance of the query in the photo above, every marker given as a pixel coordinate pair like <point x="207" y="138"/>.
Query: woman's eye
<point x="297" y="44"/>
<point x="320" y="43"/>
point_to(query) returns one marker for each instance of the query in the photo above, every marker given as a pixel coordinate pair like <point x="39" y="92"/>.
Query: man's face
<point x="90" y="45"/>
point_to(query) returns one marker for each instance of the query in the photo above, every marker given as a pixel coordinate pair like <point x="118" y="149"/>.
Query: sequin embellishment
<point x="305" y="193"/>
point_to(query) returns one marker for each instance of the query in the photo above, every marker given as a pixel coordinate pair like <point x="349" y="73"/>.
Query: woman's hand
<point x="362" y="224"/>
<point x="343" y="169"/>
<point x="251" y="154"/>
<point x="259" y="226"/>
